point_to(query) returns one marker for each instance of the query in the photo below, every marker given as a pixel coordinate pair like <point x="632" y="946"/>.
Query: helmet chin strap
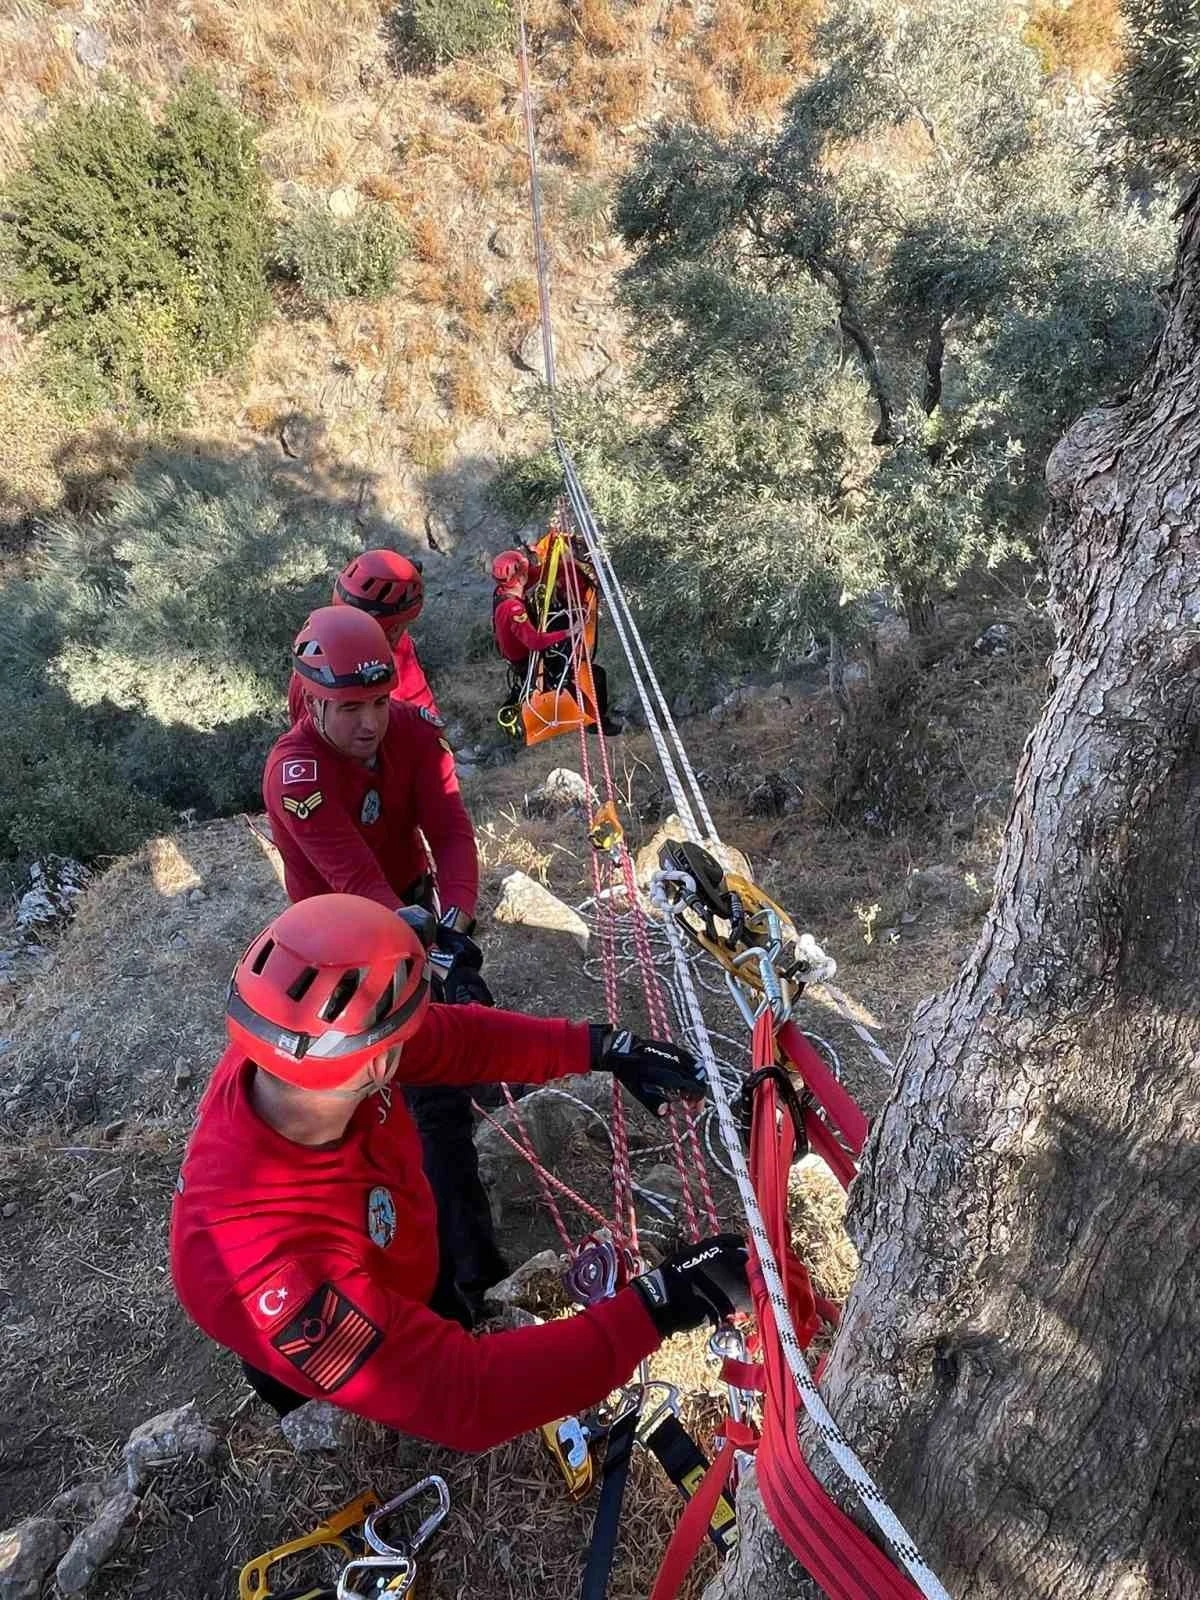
<point x="316" y="709"/>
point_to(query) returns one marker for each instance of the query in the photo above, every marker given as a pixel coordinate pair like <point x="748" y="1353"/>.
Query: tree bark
<point x="1020" y="1359"/>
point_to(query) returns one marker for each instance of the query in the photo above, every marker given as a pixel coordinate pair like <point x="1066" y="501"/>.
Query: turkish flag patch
<point x="299" y="771"/>
<point x="328" y="1339"/>
<point x="283" y="1293"/>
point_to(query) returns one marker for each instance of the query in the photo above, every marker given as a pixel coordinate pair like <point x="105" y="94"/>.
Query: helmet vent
<point x="344" y="991"/>
<point x="387" y="999"/>
<point x="263" y="956"/>
<point x="300" y="987"/>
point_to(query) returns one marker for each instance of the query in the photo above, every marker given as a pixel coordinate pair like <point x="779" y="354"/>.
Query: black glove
<point x="707" y="1279"/>
<point x="456" y="959"/>
<point x="653" y="1070"/>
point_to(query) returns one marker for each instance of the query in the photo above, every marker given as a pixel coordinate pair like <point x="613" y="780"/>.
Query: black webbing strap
<point x="608" y="1511"/>
<point x="683" y="1461"/>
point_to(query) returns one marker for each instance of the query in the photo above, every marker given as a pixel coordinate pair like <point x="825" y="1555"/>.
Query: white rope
<point x="827" y="1429"/>
<point x="676" y="769"/>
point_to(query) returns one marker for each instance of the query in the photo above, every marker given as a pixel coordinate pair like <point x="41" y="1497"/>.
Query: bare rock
<point x="530" y="355"/>
<point x="527" y="904"/>
<point x="343" y="203"/>
<point x="994" y="641"/>
<point x="535" y="1282"/>
<point x="317" y="1426"/>
<point x="98" y="1543"/>
<point x="83" y="1501"/>
<point x="28" y="1552"/>
<point x="91" y="48"/>
<point x="172" y="1436"/>
<point x="300" y="436"/>
<point x="563" y="793"/>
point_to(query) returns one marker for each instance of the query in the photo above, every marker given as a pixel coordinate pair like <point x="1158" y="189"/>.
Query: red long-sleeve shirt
<point x="516" y="637"/>
<point x="412" y="686"/>
<point x="346" y="828"/>
<point x="314" y="1264"/>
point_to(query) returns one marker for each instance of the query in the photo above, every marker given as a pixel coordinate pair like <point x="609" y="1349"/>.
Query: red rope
<point x="549" y="1178"/>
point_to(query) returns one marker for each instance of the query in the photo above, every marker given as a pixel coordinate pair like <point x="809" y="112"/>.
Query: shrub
<point x="340" y="260"/>
<point x="138" y="248"/>
<point x="145" y="661"/>
<point x="445" y="30"/>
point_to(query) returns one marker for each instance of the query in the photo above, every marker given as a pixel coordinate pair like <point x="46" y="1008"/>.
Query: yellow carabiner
<point x="252" y="1580"/>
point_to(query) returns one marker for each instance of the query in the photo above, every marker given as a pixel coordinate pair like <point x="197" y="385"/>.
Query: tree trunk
<point x="1020" y="1359"/>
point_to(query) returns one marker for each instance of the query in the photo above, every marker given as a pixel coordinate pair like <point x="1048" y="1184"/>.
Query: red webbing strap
<point x="835" y="1156"/>
<point x="692" y="1527"/>
<point x="835" y="1550"/>
<point x="837" y="1103"/>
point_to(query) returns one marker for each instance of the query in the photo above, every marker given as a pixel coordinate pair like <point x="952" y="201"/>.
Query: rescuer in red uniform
<point x="517" y="639"/>
<point x="390" y="588"/>
<point x="302" y="1230"/>
<point x="350" y="791"/>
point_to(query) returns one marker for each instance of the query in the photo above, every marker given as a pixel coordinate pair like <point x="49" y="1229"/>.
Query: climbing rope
<point x="697" y="822"/>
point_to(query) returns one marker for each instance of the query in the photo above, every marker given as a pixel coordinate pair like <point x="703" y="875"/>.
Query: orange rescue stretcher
<point x="560" y="694"/>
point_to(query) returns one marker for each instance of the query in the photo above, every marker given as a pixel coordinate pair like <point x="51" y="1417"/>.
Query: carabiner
<point x="408" y="1548"/>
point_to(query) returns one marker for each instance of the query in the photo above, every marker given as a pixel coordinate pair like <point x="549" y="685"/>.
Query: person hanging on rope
<point x="515" y="572"/>
<point x="354" y="793"/>
<point x="302" y="1228"/>
<point x="390" y="588"/>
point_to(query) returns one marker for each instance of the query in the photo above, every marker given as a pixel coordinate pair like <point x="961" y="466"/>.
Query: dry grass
<point x="133" y="939"/>
<point x="466" y="390"/>
<point x="383" y="188"/>
<point x="707" y="102"/>
<point x="679" y="24"/>
<point x="474" y="91"/>
<point x="430" y="242"/>
<point x="614" y="90"/>
<point x="1082" y="37"/>
<point x="429" y="448"/>
<point x="598" y="26"/>
<point x="466" y="298"/>
<point x="518" y="303"/>
<point x="578" y="142"/>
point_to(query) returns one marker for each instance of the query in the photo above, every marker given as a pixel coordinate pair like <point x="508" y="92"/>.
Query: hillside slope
<point x="111" y="1047"/>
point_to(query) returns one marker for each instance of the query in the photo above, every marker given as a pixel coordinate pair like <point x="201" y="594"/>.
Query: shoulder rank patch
<point x="303" y="809"/>
<point x="432" y="717"/>
<point x="299" y="771"/>
<point x="521" y="616"/>
<point x="328" y="1339"/>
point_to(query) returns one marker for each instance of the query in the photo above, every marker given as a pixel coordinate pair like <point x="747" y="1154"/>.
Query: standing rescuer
<point x="302" y="1231"/>
<point x="354" y="792"/>
<point x="390" y="588"/>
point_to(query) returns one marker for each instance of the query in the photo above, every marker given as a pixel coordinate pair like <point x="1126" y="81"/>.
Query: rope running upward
<point x="677" y="769"/>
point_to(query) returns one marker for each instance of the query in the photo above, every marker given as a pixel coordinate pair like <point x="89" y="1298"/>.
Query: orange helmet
<point x="330" y="984"/>
<point x="342" y="654"/>
<point x="383" y="584"/>
<point x="509" y="567"/>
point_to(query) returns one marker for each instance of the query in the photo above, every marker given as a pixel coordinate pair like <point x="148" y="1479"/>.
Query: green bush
<point x="139" y="248"/>
<point x="333" y="260"/>
<point x="444" y="30"/>
<point x="145" y="660"/>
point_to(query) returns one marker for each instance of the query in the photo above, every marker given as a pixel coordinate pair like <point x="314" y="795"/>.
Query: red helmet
<point x="509" y="566"/>
<point x="330" y="984"/>
<point x="383" y="584"/>
<point x="342" y="654"/>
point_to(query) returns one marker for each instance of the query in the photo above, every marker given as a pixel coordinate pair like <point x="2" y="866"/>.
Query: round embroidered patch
<point x="381" y="1217"/>
<point x="371" y="808"/>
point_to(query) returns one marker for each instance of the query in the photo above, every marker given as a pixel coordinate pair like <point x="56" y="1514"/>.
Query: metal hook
<point x="408" y="1548"/>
